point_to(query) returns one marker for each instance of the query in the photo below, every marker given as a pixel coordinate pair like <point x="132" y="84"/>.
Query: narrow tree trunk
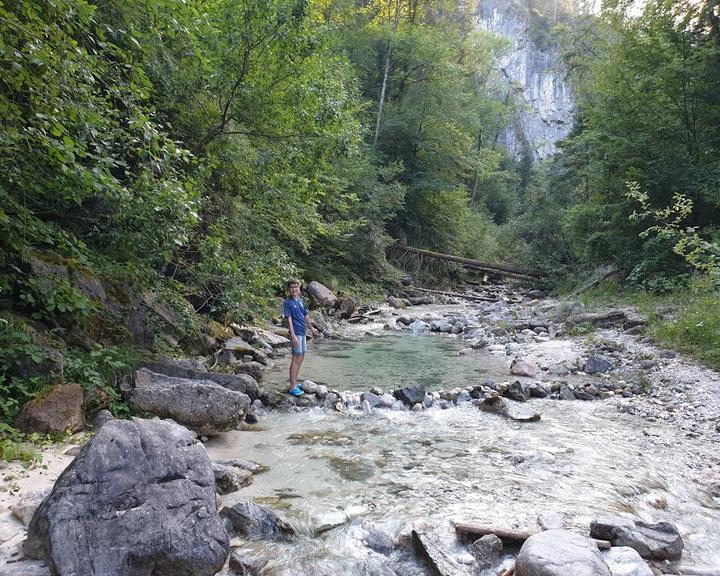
<point x="386" y="74"/>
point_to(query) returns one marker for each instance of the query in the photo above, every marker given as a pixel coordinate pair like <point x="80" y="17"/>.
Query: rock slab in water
<point x="486" y="551"/>
<point x="624" y="561"/>
<point x="659" y="541"/>
<point x="201" y="405"/>
<point x="230" y="478"/>
<point x="54" y="412"/>
<point x="498" y="405"/>
<point x="429" y="546"/>
<point x="411" y="395"/>
<point x="139" y="499"/>
<point x="560" y="553"/>
<point x="256" y="522"/>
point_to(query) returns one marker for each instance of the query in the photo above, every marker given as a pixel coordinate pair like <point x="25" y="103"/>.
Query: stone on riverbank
<point x="139" y="499"/>
<point x="56" y="411"/>
<point x="624" y="561"/>
<point x="201" y="405"/>
<point x="321" y="294"/>
<point x="411" y="395"/>
<point x="659" y="541"/>
<point x="523" y="367"/>
<point x="560" y="553"/>
<point x="244" y="383"/>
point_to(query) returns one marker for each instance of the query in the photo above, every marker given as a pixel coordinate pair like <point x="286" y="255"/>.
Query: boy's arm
<point x="293" y="338"/>
<point x="309" y="324"/>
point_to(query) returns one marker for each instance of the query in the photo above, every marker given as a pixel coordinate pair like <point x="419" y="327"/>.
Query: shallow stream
<point x="390" y="471"/>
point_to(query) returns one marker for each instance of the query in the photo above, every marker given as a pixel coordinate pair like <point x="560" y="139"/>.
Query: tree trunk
<point x="386" y="74"/>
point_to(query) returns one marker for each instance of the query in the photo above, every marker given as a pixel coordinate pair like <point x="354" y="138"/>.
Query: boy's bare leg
<point x="295" y="364"/>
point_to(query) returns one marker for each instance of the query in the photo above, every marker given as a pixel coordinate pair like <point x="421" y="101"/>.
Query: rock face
<point x="535" y="78"/>
<point x="201" y="405"/>
<point x="560" y="553"/>
<point x="659" y="541"/>
<point x="321" y="294"/>
<point x="55" y="412"/>
<point x="138" y="500"/>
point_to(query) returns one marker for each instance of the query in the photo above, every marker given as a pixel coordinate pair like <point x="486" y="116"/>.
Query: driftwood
<point x="456" y="295"/>
<point x="508" y="536"/>
<point x="501" y="269"/>
<point x="508" y="572"/>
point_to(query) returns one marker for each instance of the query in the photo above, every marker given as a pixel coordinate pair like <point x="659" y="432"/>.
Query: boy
<point x="298" y="323"/>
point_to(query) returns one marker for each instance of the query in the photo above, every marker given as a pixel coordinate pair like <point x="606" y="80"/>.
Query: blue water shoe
<point x="296" y="391"/>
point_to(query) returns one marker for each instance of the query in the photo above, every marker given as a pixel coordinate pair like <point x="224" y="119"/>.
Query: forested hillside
<point x="167" y="164"/>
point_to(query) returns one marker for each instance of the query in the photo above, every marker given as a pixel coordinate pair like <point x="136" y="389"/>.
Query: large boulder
<point x="560" y="553"/>
<point x="659" y="541"/>
<point x="321" y="295"/>
<point x="58" y="410"/>
<point x="201" y="405"/>
<point x="244" y="383"/>
<point x="139" y="499"/>
<point x="597" y="365"/>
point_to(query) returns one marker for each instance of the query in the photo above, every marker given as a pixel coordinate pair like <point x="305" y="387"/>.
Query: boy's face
<point x="294" y="290"/>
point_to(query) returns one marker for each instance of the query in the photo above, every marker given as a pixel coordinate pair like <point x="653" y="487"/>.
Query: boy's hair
<point x="292" y="281"/>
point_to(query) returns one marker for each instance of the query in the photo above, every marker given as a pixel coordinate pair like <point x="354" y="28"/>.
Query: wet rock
<point x="201" y="405"/>
<point x="659" y="541"/>
<point x="537" y="390"/>
<point x="430" y="546"/>
<point x="330" y="400"/>
<point x="372" y="400"/>
<point x="139" y="499"/>
<point x="244" y="563"/>
<point x="346" y="306"/>
<point x="523" y="367"/>
<point x="439" y="326"/>
<point x="417" y="407"/>
<point x="518" y="391"/>
<point x="405" y="320"/>
<point x="497" y="405"/>
<point x="560" y="553"/>
<point x="256" y="522"/>
<point x="486" y="551"/>
<point x="309" y="387"/>
<point x="321" y="294"/>
<point x="55" y="411"/>
<point x="419" y="326"/>
<point x="386" y="400"/>
<point x="397" y="303"/>
<point x="230" y="479"/>
<point x="597" y="365"/>
<point x="398" y="406"/>
<point x="411" y="395"/>
<point x="624" y="561"/>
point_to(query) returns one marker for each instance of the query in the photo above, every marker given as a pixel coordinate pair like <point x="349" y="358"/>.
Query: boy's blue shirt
<point x="296" y="311"/>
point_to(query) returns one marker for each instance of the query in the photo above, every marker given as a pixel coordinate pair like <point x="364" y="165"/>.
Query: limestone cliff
<point x="534" y="77"/>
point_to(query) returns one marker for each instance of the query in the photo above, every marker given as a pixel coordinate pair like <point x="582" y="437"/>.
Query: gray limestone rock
<point x="411" y="394"/>
<point x="624" y="561"/>
<point x="256" y="522"/>
<point x="201" y="405"/>
<point x="321" y="294"/>
<point x="659" y="541"/>
<point x="230" y="478"/>
<point x="597" y="365"/>
<point x="560" y="553"/>
<point x="486" y="551"/>
<point x="139" y="499"/>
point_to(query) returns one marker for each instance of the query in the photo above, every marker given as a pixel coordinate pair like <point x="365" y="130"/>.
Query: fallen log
<point x="470" y="263"/>
<point x="457" y="295"/>
<point x="508" y="536"/>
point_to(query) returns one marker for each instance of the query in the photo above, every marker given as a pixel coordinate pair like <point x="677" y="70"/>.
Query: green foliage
<point x="16" y="349"/>
<point x="14" y="446"/>
<point x="99" y="372"/>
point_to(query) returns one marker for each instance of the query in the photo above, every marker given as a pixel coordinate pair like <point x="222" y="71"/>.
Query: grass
<point x="692" y="327"/>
